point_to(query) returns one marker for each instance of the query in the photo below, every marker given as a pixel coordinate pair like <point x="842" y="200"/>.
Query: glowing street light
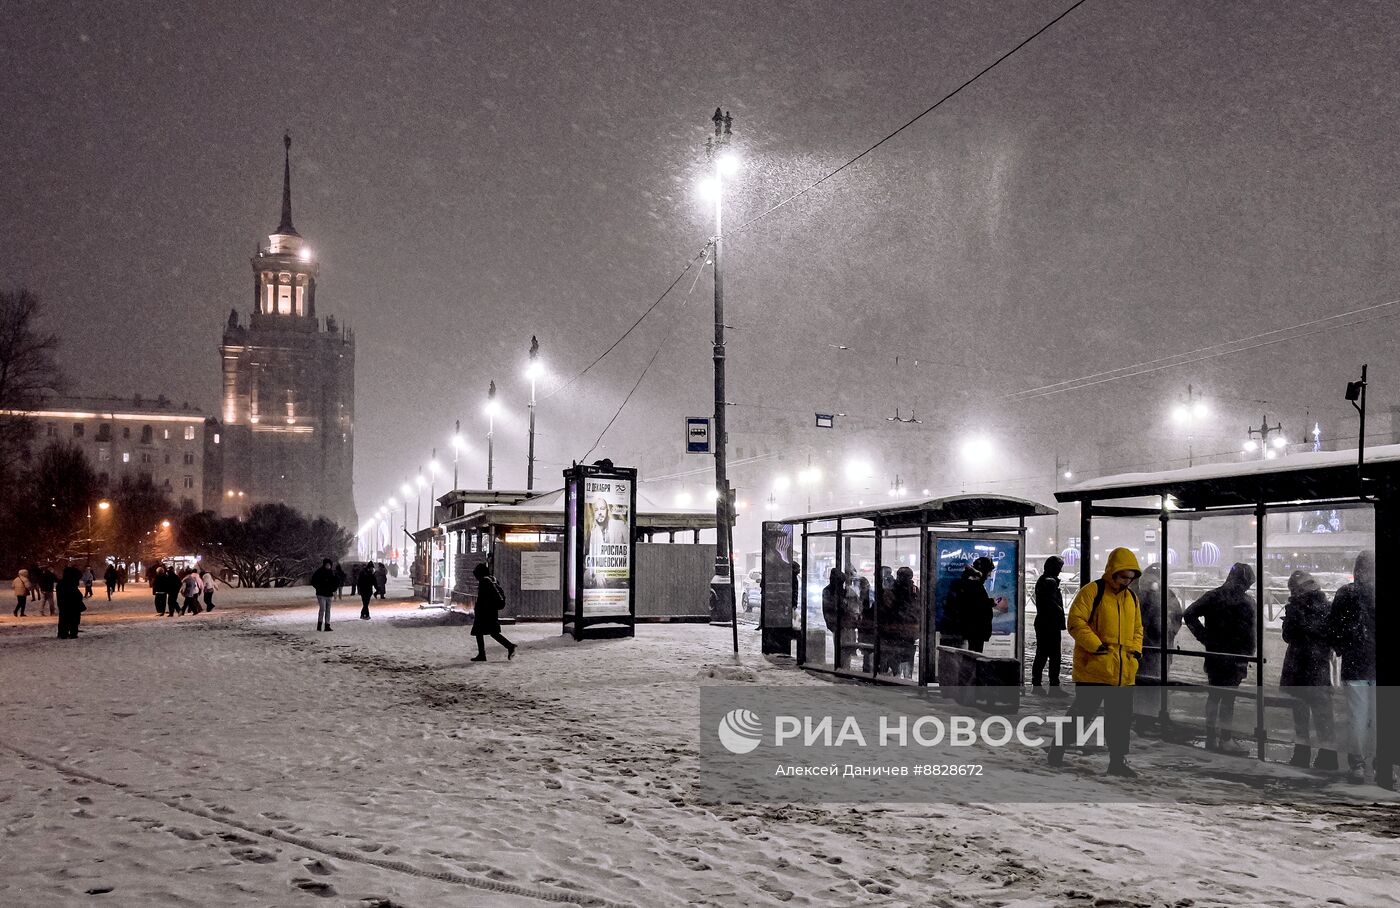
<point x="978" y="448"/>
<point x="459" y="444"/>
<point x="492" y="406"/>
<point x="533" y="371"/>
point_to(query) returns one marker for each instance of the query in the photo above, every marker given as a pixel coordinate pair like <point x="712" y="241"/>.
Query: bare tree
<point x="28" y="370"/>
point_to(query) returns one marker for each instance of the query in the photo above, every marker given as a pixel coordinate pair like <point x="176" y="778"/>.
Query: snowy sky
<point x="1143" y="179"/>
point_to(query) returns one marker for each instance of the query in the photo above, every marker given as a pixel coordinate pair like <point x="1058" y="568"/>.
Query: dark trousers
<point x="111" y="588"/>
<point x="365" y="597"/>
<point x="68" y="623"/>
<point x="19" y="605"/>
<point x="975" y="645"/>
<point x="1315" y="704"/>
<point x="160" y="604"/>
<point x="1116" y="704"/>
<point x="209" y="600"/>
<point x="1220" y="712"/>
<point x="1047" y="649"/>
<point x="481" y="643"/>
<point x="191" y="605"/>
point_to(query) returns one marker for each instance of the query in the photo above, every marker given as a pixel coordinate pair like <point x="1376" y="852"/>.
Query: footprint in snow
<point x="315" y="887"/>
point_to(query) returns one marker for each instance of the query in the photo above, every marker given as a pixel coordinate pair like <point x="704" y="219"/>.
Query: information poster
<point x="539" y="570"/>
<point x="607" y="546"/>
<point x="778" y="575"/>
<point x="954" y="553"/>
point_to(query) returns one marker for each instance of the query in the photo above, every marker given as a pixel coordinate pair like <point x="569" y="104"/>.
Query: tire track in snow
<point x="475" y="882"/>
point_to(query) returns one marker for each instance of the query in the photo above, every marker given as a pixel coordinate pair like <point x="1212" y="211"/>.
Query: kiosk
<point x="896" y="563"/>
<point x="600" y="512"/>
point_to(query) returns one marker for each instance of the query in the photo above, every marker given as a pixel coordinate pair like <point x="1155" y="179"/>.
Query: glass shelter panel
<point x="857" y="651"/>
<point x="899" y="608"/>
<point x="823" y="595"/>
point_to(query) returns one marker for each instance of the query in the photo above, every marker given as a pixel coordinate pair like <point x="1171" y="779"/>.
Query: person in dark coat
<point x="1307" y="669"/>
<point x="1352" y="632"/>
<point x="364" y="585"/>
<point x="340" y="580"/>
<point x="486" y="621"/>
<point x="899" y="626"/>
<point x="158" y="588"/>
<point x="1223" y="620"/>
<point x="1049" y="621"/>
<point x="122" y="575"/>
<point x="70" y="603"/>
<point x="48" y="580"/>
<point x="1151" y="593"/>
<point x="833" y="608"/>
<point x="381" y="579"/>
<point x="170" y="582"/>
<point x="109" y="577"/>
<point x="970" y="606"/>
<point x="324" y="584"/>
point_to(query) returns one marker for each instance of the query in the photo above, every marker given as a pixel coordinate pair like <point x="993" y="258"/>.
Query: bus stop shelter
<point x="897" y="561"/>
<point x="1277" y="515"/>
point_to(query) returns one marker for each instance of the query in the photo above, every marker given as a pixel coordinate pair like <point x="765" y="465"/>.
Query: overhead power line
<point x="1212" y="351"/>
<point x="939" y="103"/>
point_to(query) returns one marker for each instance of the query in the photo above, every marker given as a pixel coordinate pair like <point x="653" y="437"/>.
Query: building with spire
<point x="288" y="386"/>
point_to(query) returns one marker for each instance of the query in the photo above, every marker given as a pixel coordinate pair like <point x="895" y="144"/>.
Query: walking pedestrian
<point x="47" y="581"/>
<point x="170" y="582"/>
<point x="323" y="582"/>
<point x="486" y="620"/>
<point x="89" y="578"/>
<point x="341" y="578"/>
<point x="1352" y="629"/>
<point x="157" y="577"/>
<point x="123" y="574"/>
<point x="381" y="579"/>
<point x="364" y="585"/>
<point x="1105" y="621"/>
<point x="190" y="588"/>
<point x="23" y="590"/>
<point x="70" y="604"/>
<point x="1152" y="594"/>
<point x="209" y="584"/>
<point x="1049" y="622"/>
<point x="109" y="577"/>
<point x="1223" y="621"/>
<point x="1307" y="670"/>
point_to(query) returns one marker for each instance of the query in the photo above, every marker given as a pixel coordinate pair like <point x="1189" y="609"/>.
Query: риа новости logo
<point x="740" y="731"/>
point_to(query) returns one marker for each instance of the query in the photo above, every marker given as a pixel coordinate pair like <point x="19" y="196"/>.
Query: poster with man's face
<point x="607" y="558"/>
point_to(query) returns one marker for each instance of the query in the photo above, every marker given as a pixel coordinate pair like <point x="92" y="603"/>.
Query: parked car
<point x="752" y="595"/>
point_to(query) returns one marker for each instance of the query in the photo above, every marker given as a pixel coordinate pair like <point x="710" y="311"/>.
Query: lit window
<point x="166" y="433"/>
<point x="126" y="457"/>
<point x="284" y="299"/>
<point x="301" y="300"/>
<point x="269" y="302"/>
<point x="216" y="438"/>
<point x="189" y="433"/>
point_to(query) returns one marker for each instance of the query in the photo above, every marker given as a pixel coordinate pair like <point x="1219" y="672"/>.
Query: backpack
<point x="1098" y="597"/>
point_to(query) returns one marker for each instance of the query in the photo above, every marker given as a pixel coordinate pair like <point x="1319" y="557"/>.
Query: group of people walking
<point x="61" y="594"/>
<point x="1117" y="626"/>
<point x="179" y="592"/>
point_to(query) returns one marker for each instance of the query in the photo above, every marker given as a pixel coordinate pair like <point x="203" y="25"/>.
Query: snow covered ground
<point x="241" y="758"/>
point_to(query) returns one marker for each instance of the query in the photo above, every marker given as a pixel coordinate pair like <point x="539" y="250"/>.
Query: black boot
<point x="1385" y="775"/>
<point x="1118" y="766"/>
<point x="1326" y="761"/>
<point x="320" y="625"/>
<point x="1302" y="756"/>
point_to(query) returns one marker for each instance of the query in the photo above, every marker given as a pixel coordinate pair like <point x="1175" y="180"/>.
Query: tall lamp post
<point x="389" y="507"/>
<point x="459" y="444"/>
<point x="722" y="584"/>
<point x="1190" y="415"/>
<point x="102" y="505"/>
<point x="491" y="407"/>
<point x="1268" y="448"/>
<point x="407" y="490"/>
<point x="532" y="372"/>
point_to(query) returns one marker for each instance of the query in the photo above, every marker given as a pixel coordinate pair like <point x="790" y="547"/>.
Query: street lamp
<point x="491" y="407"/>
<point x="433" y="470"/>
<point x="418" y="513"/>
<point x="722" y="584"/>
<point x="1269" y="448"/>
<point x="1190" y="415"/>
<point x="102" y="505"/>
<point x="407" y="490"/>
<point x="807" y="478"/>
<point x="532" y="372"/>
<point x="459" y="444"/>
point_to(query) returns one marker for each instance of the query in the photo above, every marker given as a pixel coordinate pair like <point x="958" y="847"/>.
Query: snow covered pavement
<point x="241" y="758"/>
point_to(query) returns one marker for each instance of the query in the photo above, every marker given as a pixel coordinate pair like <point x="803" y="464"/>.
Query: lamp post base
<point x="721" y="601"/>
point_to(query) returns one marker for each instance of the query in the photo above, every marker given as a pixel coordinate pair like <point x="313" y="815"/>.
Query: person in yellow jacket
<point x="1105" y="621"/>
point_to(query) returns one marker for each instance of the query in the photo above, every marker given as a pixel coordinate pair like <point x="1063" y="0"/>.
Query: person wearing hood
<point x="969" y="611"/>
<point x="89" y="578"/>
<point x="381" y="579"/>
<point x="841" y="625"/>
<point x="1152" y="593"/>
<point x="109" y="577"/>
<point x="1223" y="621"/>
<point x="1049" y="621"/>
<point x="1352" y="631"/>
<point x="1307" y="669"/>
<point x="364" y="585"/>
<point x="486" y="617"/>
<point x="1105" y="621"/>
<point x="70" y="603"/>
<point x="23" y="588"/>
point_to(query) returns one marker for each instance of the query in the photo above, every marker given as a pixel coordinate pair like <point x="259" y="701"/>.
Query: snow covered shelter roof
<point x="1320" y="476"/>
<point x="949" y="509"/>
<point x="547" y="510"/>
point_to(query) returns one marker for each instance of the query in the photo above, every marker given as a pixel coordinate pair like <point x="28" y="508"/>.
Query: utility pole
<point x="491" y="435"/>
<point x="533" y="371"/>
<point x="1264" y="431"/>
<point x="722" y="584"/>
<point x="1356" y="393"/>
<point x="456" y="451"/>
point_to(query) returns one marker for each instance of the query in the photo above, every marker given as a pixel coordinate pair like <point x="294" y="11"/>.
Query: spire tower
<point x="285" y="228"/>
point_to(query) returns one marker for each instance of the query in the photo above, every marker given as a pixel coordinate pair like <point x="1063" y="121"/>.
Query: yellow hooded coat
<point x="1117" y="623"/>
